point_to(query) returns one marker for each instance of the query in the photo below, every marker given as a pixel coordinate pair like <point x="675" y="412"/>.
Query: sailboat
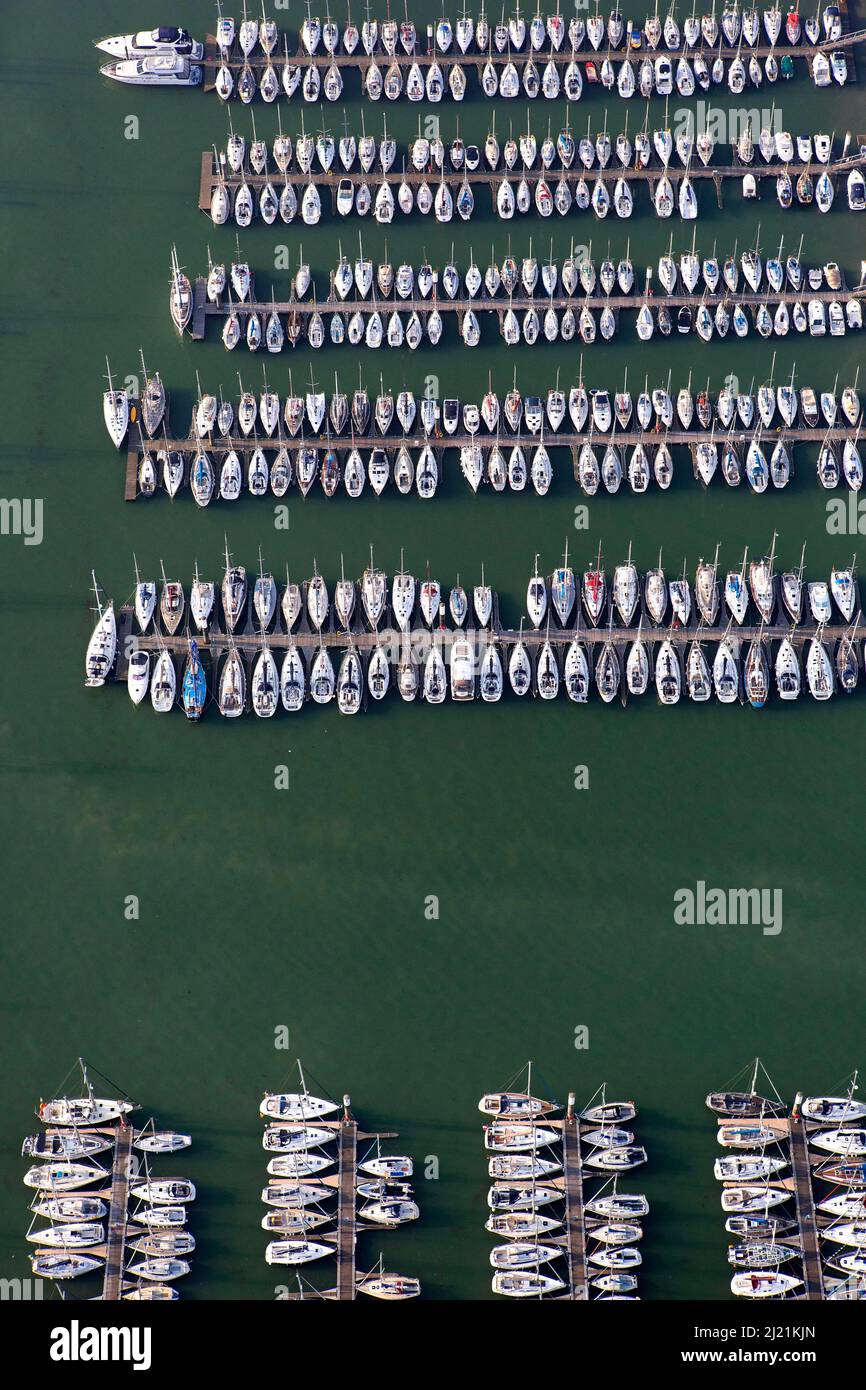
<point x="231" y="697"/>
<point x="349" y="683"/>
<point x="144" y="601"/>
<point x="115" y="410"/>
<point x="193" y="690"/>
<point x="626" y="590"/>
<point x="102" y="647"/>
<point x="562" y="591"/>
<point x="234" y="592"/>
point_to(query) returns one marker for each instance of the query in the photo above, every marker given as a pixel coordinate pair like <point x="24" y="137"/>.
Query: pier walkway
<point x="116" y="1229"/>
<point x="801" y="1168"/>
<point x="575" y="1221"/>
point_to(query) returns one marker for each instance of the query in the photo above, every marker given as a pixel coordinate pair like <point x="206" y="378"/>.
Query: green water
<point x="306" y="907"/>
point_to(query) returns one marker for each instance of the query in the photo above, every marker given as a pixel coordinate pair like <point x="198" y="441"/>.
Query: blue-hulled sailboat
<point x="194" y="686"/>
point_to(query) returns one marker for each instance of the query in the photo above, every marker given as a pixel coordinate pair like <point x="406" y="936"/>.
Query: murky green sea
<point x="305" y="908"/>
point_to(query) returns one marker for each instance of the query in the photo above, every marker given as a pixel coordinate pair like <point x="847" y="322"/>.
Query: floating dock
<point x="801" y="1168"/>
<point x="116" y="1230"/>
<point x="575" y="1220"/>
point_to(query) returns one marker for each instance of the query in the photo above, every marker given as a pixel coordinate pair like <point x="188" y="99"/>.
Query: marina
<point x="795" y="1240"/>
<point x="372" y="882"/>
<point x="370" y="1190"/>
<point x="731" y="634"/>
<point x="92" y="1165"/>
<point x="560" y="1242"/>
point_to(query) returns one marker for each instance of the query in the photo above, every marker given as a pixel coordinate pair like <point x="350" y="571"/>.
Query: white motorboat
<point x="160" y="70"/>
<point x="149" y="42"/>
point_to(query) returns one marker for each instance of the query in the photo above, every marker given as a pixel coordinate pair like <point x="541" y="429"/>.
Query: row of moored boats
<point x="70" y="1177"/>
<point x="303" y="1184"/>
<point x="228" y="442"/>
<point x="529" y="1213"/>
<point x="446" y="196"/>
<point x="169" y="56"/>
<point x="322" y="154"/>
<point x="391" y="310"/>
<point x="758" y="1191"/>
<point x="422" y="658"/>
